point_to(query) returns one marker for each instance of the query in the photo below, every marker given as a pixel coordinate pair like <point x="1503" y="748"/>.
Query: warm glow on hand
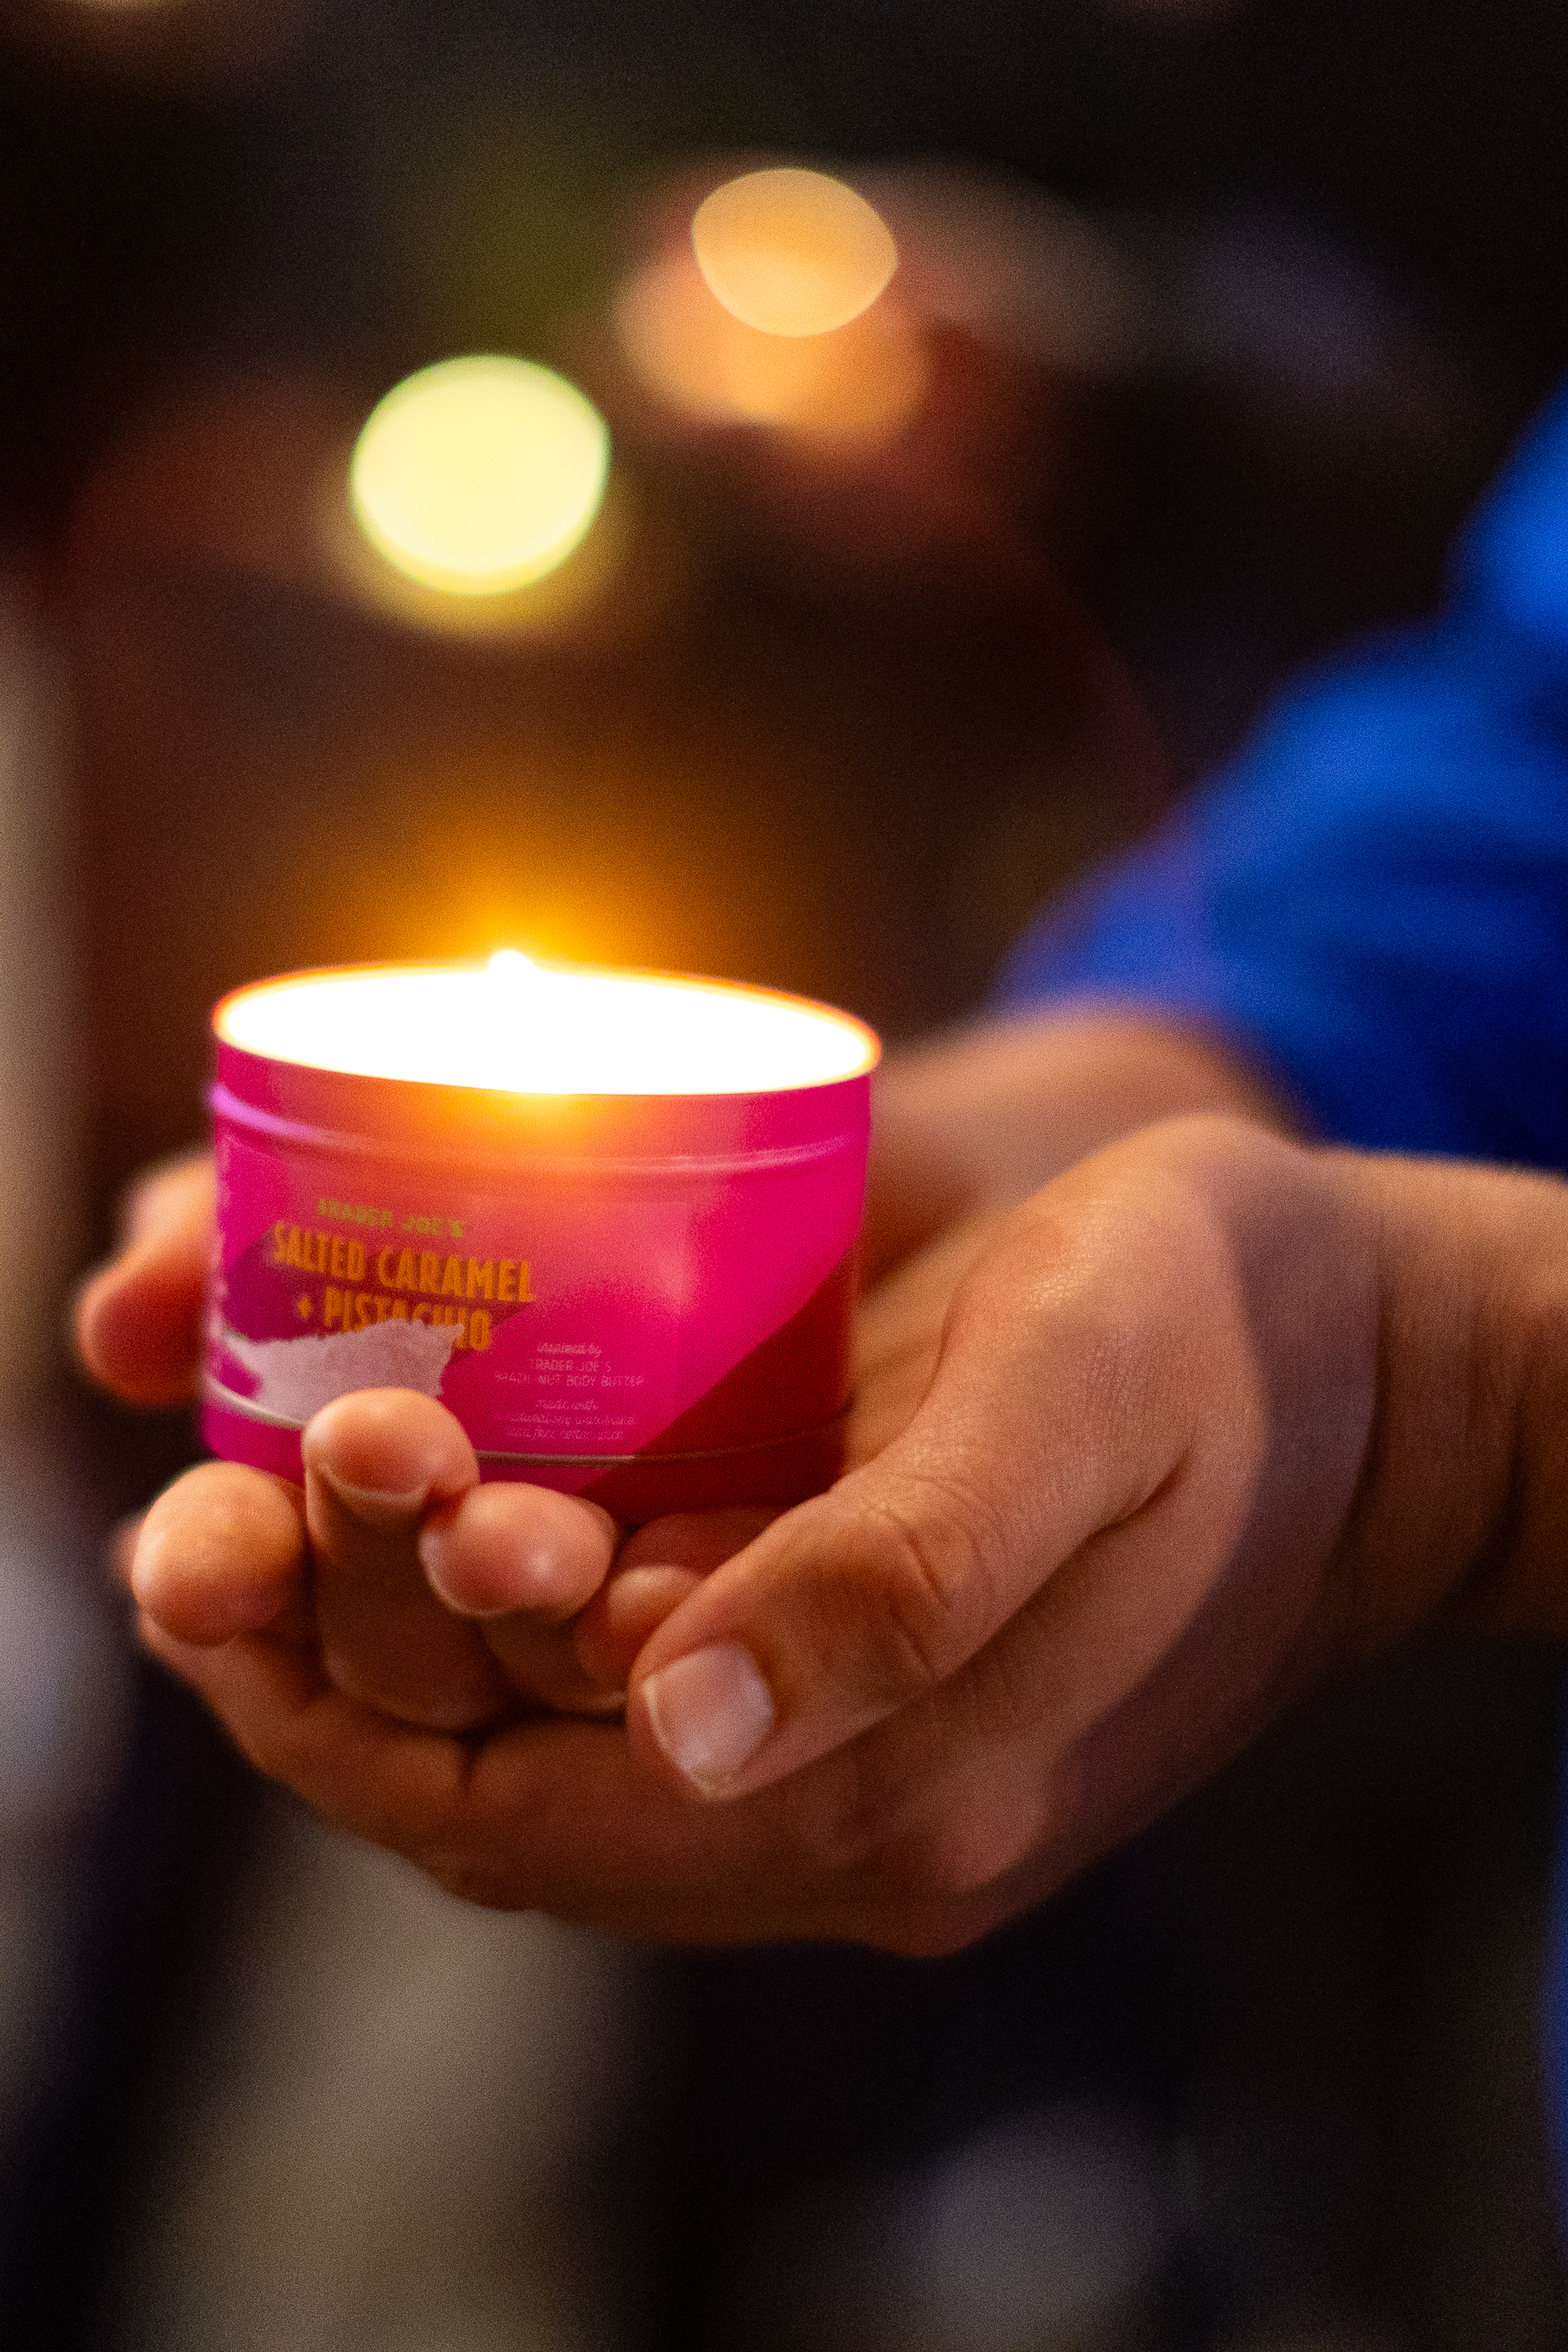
<point x="480" y="476"/>
<point x="791" y="252"/>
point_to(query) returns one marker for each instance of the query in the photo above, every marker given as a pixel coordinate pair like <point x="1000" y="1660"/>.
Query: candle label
<point x="549" y="1321"/>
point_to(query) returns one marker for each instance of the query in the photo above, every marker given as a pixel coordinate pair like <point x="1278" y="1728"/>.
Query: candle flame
<point x="518" y="1027"/>
<point x="792" y="252"/>
<point x="480" y="476"/>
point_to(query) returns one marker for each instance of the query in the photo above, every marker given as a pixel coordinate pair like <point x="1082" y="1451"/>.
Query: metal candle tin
<point x="640" y="1298"/>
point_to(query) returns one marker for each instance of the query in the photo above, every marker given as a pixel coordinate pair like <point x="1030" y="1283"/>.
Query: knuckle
<point x="927" y="1586"/>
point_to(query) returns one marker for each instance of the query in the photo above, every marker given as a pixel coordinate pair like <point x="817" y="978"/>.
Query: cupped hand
<point x="137" y="1319"/>
<point x="1208" y="1414"/>
<point x="391" y="1540"/>
<point x="412" y="1589"/>
<point x="1131" y="1463"/>
<point x="421" y="1593"/>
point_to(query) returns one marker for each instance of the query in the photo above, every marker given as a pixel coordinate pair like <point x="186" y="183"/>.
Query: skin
<point x="1148" y="1440"/>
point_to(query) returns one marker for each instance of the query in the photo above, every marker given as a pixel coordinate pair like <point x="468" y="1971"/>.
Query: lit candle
<point x="609" y="1219"/>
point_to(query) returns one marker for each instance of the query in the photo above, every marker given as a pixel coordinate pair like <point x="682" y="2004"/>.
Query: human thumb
<point x="865" y="1599"/>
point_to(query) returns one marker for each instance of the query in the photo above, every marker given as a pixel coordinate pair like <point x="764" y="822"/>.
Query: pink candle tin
<point x="608" y="1219"/>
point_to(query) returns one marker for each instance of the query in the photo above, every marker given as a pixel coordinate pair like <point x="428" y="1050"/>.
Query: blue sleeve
<point x="1373" y="900"/>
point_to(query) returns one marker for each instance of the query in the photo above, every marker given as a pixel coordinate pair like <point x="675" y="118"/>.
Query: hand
<point x="1211" y="1413"/>
<point x="421" y="1593"/>
<point x="417" y="1590"/>
<point x="391" y="1540"/>
<point x="392" y="1547"/>
<point x="980" y="1118"/>
<point x="974" y="1122"/>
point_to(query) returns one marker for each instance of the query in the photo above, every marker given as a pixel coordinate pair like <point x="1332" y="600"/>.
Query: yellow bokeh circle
<point x="479" y="474"/>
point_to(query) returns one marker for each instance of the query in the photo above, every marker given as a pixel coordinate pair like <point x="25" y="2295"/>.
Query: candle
<point x="609" y="1219"/>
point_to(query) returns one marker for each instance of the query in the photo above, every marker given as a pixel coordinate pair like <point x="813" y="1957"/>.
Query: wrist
<point x="1463" y="1514"/>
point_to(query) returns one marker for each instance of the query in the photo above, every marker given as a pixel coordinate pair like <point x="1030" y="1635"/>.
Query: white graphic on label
<point x="298" y="1377"/>
<point x="549" y="1318"/>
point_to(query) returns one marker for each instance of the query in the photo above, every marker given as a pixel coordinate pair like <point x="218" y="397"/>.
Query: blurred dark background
<point x="1331" y="238"/>
<point x="1224" y="314"/>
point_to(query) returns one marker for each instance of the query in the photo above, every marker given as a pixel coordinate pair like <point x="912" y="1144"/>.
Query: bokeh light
<point x="791" y="252"/>
<point x="856" y="386"/>
<point x="480" y="476"/>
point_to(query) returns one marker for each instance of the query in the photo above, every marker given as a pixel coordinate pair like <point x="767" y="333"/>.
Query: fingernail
<point x="711" y="1712"/>
<point x="430" y="1545"/>
<point x="372" y="1504"/>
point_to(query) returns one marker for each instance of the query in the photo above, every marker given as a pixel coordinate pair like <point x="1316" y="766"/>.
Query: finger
<point x="699" y="1540"/>
<point x="1042" y="1425"/>
<point x="167" y="1194"/>
<point x="659" y="1565"/>
<point x="522" y="1560"/>
<point x="416" y="1790"/>
<point x="915" y="1183"/>
<point x="121" y="1549"/>
<point x="629" y="1611"/>
<point x="506" y="1547"/>
<point x="374" y="1462"/>
<point x="898" y="1336"/>
<point x="221" y="1552"/>
<point x="138" y="1319"/>
<point x="579" y="1669"/>
<point x="545" y="1814"/>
